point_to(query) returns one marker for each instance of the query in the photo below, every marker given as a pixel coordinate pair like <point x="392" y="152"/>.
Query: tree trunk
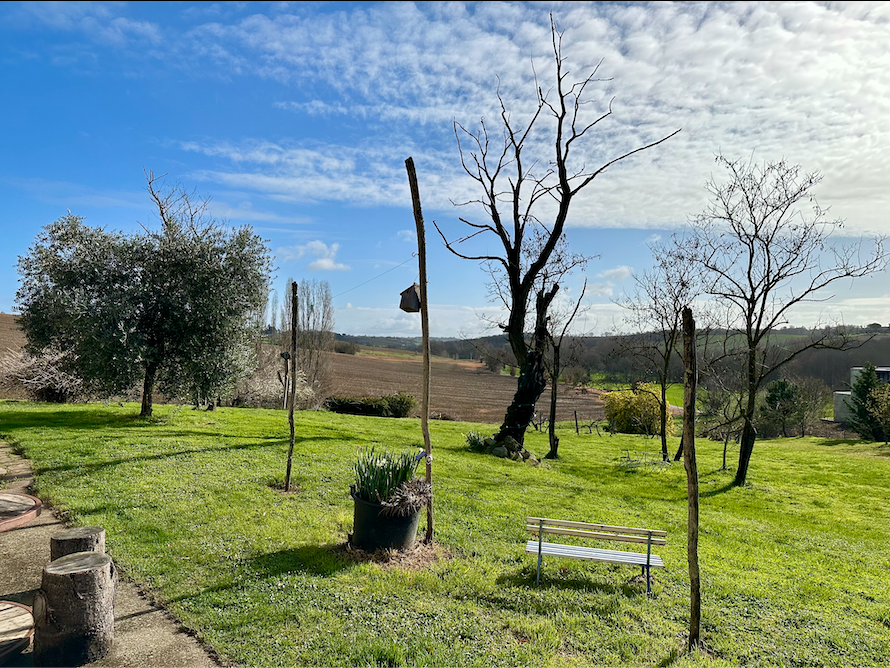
<point x="665" y="456"/>
<point x="530" y="388"/>
<point x="746" y="447"/>
<point x="78" y="539"/>
<point x="749" y="434"/>
<point x="679" y="455"/>
<point x="689" y="391"/>
<point x="551" y="427"/>
<point x="148" y="386"/>
<point x="295" y="306"/>
<point x="74" y="610"/>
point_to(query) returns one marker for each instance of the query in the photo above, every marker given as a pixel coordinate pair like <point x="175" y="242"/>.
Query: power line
<point x="413" y="255"/>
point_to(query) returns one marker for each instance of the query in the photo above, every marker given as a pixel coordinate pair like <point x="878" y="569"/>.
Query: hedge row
<point x="392" y="405"/>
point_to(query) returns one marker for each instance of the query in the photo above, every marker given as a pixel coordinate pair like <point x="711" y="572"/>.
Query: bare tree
<point x="760" y="255"/>
<point x="315" y="334"/>
<point x="655" y="316"/>
<point x="690" y="384"/>
<point x="555" y="366"/>
<point x="517" y="194"/>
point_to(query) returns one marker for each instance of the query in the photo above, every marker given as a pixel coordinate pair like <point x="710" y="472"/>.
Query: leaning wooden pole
<point x="425" y="329"/>
<point x="689" y="392"/>
<point x="293" y="381"/>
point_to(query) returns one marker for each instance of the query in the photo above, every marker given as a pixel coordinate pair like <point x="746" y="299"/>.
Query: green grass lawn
<point x="794" y="566"/>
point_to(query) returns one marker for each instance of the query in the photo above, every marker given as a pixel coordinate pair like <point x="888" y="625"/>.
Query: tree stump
<point x="74" y="610"/>
<point x="78" y="539"/>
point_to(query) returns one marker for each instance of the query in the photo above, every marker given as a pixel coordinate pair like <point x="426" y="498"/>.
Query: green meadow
<point x="794" y="566"/>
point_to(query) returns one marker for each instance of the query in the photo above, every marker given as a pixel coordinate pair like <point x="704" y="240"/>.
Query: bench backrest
<point x="543" y="525"/>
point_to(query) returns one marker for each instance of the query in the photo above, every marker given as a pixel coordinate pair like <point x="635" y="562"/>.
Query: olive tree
<point x="176" y="307"/>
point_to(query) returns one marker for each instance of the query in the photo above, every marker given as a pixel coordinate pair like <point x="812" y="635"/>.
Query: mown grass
<point x="794" y="566"/>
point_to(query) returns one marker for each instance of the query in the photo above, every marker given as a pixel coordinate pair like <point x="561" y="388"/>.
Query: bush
<point x="475" y="441"/>
<point x="40" y="378"/>
<point x="346" y="347"/>
<point x="392" y="405"/>
<point x="636" y="411"/>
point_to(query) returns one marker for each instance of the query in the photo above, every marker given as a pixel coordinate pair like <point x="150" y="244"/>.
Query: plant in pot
<point x="388" y="500"/>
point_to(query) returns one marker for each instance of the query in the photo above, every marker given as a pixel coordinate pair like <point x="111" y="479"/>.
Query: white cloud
<point x="616" y="273"/>
<point x="804" y="81"/>
<point x="324" y="255"/>
<point x="407" y="236"/>
<point x="606" y="289"/>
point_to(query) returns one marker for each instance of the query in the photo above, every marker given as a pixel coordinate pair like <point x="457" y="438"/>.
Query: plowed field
<point x="461" y="389"/>
<point x="10" y="334"/>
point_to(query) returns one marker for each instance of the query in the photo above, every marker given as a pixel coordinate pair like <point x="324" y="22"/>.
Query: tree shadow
<point x="321" y="560"/>
<point x="267" y="441"/>
<point x="720" y="490"/>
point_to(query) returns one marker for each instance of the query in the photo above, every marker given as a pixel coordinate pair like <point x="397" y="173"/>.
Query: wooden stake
<point x="425" y="329"/>
<point x="293" y="381"/>
<point x="689" y="392"/>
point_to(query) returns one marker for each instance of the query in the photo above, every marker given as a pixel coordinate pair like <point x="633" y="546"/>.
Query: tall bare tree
<point x="655" y="314"/>
<point x="315" y="334"/>
<point x="759" y="254"/>
<point x="518" y="192"/>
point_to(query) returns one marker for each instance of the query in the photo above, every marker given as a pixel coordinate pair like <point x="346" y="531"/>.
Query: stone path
<point x="144" y="635"/>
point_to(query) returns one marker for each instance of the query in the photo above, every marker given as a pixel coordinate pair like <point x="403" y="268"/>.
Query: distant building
<point x="842" y="412"/>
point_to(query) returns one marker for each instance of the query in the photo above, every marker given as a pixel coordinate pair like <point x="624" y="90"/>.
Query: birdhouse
<point x="411" y="299"/>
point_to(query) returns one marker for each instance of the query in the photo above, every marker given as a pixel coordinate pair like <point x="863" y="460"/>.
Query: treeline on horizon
<point x="610" y="359"/>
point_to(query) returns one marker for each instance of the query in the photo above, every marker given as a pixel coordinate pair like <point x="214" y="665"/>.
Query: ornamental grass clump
<point x="387" y="478"/>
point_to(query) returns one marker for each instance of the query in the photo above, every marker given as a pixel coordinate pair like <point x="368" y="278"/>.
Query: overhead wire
<point x="413" y="255"/>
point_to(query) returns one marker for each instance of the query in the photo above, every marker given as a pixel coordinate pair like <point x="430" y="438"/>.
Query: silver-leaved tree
<point x="176" y="308"/>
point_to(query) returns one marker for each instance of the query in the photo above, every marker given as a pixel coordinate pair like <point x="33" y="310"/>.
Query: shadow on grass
<point x="720" y="490"/>
<point x="525" y="577"/>
<point x="322" y="560"/>
<point x="266" y="442"/>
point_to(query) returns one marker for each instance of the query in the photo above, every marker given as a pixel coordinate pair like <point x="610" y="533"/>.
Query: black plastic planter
<point x="372" y="530"/>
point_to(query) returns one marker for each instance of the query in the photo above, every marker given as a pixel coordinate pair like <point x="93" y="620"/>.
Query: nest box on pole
<point x="411" y="299"/>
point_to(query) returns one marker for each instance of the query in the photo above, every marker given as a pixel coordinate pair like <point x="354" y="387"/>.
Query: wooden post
<point x="425" y="330"/>
<point x="78" y="539"/>
<point x="689" y="393"/>
<point x="74" y="610"/>
<point x="293" y="381"/>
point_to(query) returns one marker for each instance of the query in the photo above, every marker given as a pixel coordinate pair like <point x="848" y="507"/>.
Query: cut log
<point x="78" y="539"/>
<point x="74" y="610"/>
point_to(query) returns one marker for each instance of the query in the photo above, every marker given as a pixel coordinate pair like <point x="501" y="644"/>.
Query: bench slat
<point x="595" y="527"/>
<point x="596" y="536"/>
<point x="593" y="554"/>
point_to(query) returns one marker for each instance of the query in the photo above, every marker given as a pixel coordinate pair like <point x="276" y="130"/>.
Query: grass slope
<point x="794" y="566"/>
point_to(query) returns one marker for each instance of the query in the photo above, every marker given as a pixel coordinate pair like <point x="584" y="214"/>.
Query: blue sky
<point x="296" y="118"/>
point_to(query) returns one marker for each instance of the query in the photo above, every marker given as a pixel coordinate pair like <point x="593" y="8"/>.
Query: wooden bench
<point x="649" y="537"/>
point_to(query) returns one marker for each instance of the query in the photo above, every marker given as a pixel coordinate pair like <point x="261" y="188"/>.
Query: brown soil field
<point x="10" y="334"/>
<point x="460" y="389"/>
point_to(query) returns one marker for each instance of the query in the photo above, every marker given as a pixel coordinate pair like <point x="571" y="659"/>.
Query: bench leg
<point x="648" y="589"/>
<point x="538" y="579"/>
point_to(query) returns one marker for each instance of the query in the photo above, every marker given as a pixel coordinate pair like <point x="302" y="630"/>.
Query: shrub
<point x="392" y="405"/>
<point x="379" y="473"/>
<point x="636" y="411"/>
<point x="40" y="378"/>
<point x="346" y="347"/>
<point x="475" y="441"/>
